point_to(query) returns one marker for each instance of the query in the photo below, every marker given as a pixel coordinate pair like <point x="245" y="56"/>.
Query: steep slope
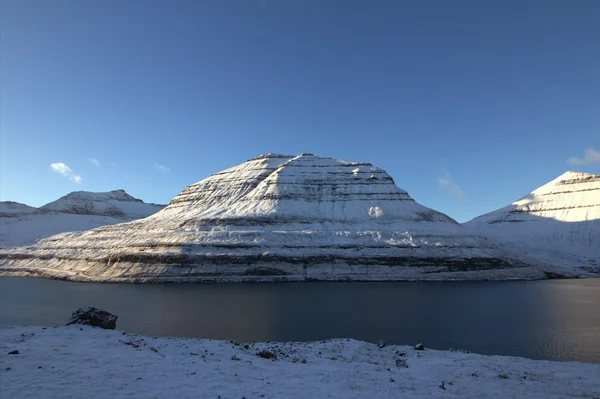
<point x="21" y="224"/>
<point x="557" y="223"/>
<point x="277" y="217"/>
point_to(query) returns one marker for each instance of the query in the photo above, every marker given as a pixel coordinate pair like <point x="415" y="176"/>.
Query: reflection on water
<point x="556" y="319"/>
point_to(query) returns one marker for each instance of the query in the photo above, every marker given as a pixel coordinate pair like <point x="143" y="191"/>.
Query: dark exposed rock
<point x="265" y="354"/>
<point x="381" y="344"/>
<point x="91" y="316"/>
<point x="14" y="352"/>
<point x="419" y="347"/>
<point x="554" y="275"/>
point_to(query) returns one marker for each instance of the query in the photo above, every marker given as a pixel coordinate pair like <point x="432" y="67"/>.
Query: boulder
<point x="91" y="316"/>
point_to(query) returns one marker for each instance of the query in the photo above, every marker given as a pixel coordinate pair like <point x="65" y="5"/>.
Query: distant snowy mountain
<point x="558" y="223"/>
<point x="13" y="209"/>
<point x="278" y="218"/>
<point x="21" y="224"/>
<point x="113" y="203"/>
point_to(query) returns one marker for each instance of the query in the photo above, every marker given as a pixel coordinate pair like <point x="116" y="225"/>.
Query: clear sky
<point x="469" y="105"/>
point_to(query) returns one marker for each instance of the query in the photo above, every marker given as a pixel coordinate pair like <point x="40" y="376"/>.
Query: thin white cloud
<point x="162" y="168"/>
<point x="591" y="156"/>
<point x="446" y="183"/>
<point x="65" y="171"/>
<point x="94" y="161"/>
<point x="61" y="168"/>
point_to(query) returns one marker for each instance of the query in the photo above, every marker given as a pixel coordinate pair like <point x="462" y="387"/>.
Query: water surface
<point x="552" y="319"/>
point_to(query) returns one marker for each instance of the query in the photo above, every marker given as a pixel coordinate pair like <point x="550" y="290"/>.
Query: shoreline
<point x="522" y="274"/>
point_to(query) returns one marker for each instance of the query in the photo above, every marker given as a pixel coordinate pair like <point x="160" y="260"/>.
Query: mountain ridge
<point x="559" y="222"/>
<point x="22" y="224"/>
<point x="279" y="218"/>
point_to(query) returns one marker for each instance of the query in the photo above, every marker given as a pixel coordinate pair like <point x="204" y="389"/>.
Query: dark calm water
<point x="556" y="319"/>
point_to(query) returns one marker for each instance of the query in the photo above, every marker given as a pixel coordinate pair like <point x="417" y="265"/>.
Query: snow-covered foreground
<point x="86" y="362"/>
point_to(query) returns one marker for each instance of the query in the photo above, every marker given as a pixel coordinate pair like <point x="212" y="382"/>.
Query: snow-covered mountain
<point x="115" y="203"/>
<point x="278" y="217"/>
<point x="558" y="223"/>
<point x="21" y="224"/>
<point x="12" y="209"/>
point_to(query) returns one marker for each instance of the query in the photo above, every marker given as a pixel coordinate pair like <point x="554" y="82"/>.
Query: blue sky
<point x="469" y="105"/>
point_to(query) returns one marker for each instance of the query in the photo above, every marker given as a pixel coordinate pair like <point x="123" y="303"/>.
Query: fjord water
<point x="553" y="319"/>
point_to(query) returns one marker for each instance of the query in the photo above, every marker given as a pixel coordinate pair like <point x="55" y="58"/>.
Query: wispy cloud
<point x="94" y="161"/>
<point x="446" y="183"/>
<point x="162" y="168"/>
<point x="591" y="156"/>
<point x="65" y="171"/>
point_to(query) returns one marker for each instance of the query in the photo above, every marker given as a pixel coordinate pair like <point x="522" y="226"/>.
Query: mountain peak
<point x="76" y="211"/>
<point x="574" y="177"/>
<point x="270" y="155"/>
<point x="558" y="222"/>
<point x="116" y="203"/>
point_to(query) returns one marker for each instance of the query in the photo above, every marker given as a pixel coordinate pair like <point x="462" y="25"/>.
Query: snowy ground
<point x="71" y="362"/>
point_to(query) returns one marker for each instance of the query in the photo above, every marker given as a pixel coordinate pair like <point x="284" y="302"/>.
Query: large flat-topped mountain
<point x="273" y="218"/>
<point x="299" y="189"/>
<point x="21" y="224"/>
<point x="558" y="223"/>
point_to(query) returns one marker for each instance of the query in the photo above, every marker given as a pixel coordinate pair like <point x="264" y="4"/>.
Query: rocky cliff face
<point x="558" y="223"/>
<point x="278" y="217"/>
<point x="21" y="224"/>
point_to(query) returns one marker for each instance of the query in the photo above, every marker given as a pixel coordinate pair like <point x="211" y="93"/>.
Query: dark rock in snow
<point x="265" y="354"/>
<point x="91" y="316"/>
<point x="15" y="352"/>
<point x="381" y="344"/>
<point x="419" y="347"/>
<point x="401" y="363"/>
